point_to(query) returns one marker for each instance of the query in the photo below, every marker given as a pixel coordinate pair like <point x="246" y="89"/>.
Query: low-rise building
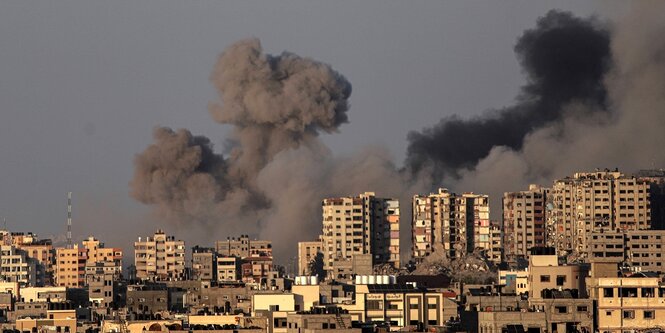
<point x="635" y="303"/>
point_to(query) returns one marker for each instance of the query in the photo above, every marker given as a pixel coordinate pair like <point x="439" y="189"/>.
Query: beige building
<point x="228" y="269"/>
<point x="243" y="247"/>
<point x="70" y="264"/>
<point x="632" y="304"/>
<point x="516" y="281"/>
<point x="61" y="321"/>
<point x="361" y="225"/>
<point x="403" y="306"/>
<point x="592" y="201"/>
<point x="204" y="263"/>
<point x="160" y="258"/>
<point x="523" y="222"/>
<point x="15" y="266"/>
<point x="546" y="273"/>
<point x="457" y="224"/>
<point x="307" y="253"/>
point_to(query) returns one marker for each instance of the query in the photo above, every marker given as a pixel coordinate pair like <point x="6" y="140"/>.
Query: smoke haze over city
<point x="216" y="131"/>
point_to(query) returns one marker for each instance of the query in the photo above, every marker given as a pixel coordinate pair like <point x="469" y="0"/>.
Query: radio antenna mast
<point x="69" y="220"/>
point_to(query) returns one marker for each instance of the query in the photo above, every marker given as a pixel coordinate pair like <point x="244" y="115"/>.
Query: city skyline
<point x="95" y="212"/>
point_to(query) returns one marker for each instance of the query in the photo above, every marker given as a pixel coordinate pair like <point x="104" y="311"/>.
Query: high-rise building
<point x="523" y="222"/>
<point x="360" y="225"/>
<point x="454" y="224"/>
<point x="160" y="257"/>
<point x="594" y="201"/>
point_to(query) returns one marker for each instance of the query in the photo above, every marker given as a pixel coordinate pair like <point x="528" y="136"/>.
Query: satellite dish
<point x="549" y="206"/>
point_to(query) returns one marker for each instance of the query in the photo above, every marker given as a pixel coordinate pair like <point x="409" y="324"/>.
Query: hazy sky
<point x="82" y="84"/>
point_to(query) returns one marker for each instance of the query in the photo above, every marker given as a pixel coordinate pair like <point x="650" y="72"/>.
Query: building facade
<point x="454" y="224"/>
<point x="160" y="257"/>
<point x="361" y="225"/>
<point x="523" y="222"/>
<point x="589" y="202"/>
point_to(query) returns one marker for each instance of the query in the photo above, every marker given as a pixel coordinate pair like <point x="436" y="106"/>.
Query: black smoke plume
<point x="565" y="59"/>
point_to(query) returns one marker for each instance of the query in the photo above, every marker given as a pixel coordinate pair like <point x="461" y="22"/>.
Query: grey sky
<point x="82" y="84"/>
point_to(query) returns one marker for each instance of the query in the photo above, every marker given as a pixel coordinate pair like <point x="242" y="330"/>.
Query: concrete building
<point x="515" y="281"/>
<point x="15" y="266"/>
<point x="320" y="320"/>
<point x="254" y="258"/>
<point x="454" y="224"/>
<point x="228" y="269"/>
<point x="361" y="225"/>
<point x="629" y="304"/>
<point x="545" y="273"/>
<point x="41" y="252"/>
<point x="403" y="306"/>
<point x="159" y="258"/>
<point x="150" y="298"/>
<point x="204" y="263"/>
<point x="496" y="250"/>
<point x="243" y="247"/>
<point x="308" y="254"/>
<point x="523" y="222"/>
<point x="644" y="250"/>
<point x="70" y="264"/>
<point x="589" y="202"/>
<point x="656" y="180"/>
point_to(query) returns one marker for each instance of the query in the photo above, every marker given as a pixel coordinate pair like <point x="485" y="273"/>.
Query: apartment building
<point x="15" y="266"/>
<point x="308" y="253"/>
<point x="629" y="304"/>
<point x="592" y="201"/>
<point x="70" y="264"/>
<point x="545" y="273"/>
<point x="642" y="249"/>
<point x="401" y="305"/>
<point x="523" y="222"/>
<point x="454" y="223"/>
<point x="360" y="225"/>
<point x="204" y="263"/>
<point x="251" y="258"/>
<point x="160" y="257"/>
<point x="243" y="247"/>
<point x="98" y="252"/>
<point x="656" y="180"/>
<point x="496" y="250"/>
<point x="228" y="269"/>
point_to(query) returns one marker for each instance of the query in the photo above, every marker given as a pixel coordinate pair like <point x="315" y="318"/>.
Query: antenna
<point x="69" y="220"/>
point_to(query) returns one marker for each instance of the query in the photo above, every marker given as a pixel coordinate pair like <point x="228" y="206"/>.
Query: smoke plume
<point x="276" y="172"/>
<point x="564" y="58"/>
<point x="615" y="121"/>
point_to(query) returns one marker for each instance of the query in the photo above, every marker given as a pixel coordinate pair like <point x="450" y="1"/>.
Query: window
<point x="560" y="280"/>
<point x="648" y="292"/>
<point x="561" y="309"/>
<point x="608" y="292"/>
<point x="582" y="308"/>
<point x="628" y="314"/>
<point x="544" y="278"/>
<point x="628" y="292"/>
<point x="650" y="314"/>
<point x="608" y="313"/>
<point x="374" y="305"/>
<point x="413" y="306"/>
